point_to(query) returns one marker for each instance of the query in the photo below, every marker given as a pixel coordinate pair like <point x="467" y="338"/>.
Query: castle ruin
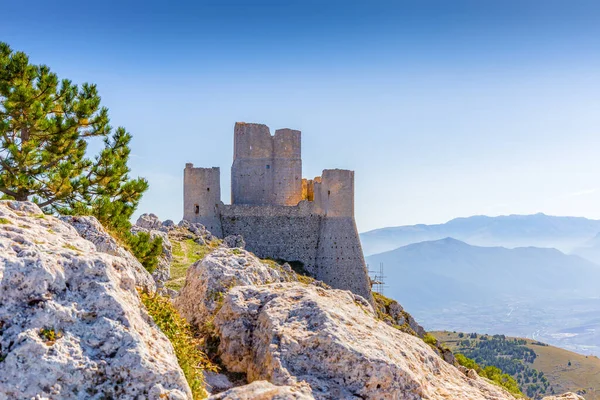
<point x="280" y="214"/>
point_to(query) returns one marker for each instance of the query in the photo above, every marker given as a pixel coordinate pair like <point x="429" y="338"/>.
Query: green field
<point x="582" y="375"/>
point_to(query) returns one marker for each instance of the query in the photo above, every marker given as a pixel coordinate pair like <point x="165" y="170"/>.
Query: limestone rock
<point x="149" y="222"/>
<point x="263" y="390"/>
<point x="168" y="225"/>
<point x="90" y="229"/>
<point x="288" y="332"/>
<point x="234" y="241"/>
<point x="566" y="396"/>
<point x="209" y="279"/>
<point x="194" y="227"/>
<point x="216" y="383"/>
<point x="71" y="323"/>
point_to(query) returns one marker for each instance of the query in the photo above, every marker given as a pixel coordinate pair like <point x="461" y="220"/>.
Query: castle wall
<point x="278" y="232"/>
<point x="340" y="262"/>
<point x="266" y="169"/>
<point x="201" y="195"/>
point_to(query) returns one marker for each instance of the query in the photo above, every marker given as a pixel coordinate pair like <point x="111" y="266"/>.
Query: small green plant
<point x="187" y="346"/>
<point x="4" y="221"/>
<point x="71" y="247"/>
<point x="144" y="248"/>
<point x="49" y="335"/>
<point x="430" y="339"/>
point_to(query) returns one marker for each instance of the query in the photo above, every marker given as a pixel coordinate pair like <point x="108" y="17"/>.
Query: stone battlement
<point x="279" y="214"/>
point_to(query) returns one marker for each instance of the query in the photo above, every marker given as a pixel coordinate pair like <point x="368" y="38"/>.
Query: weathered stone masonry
<point x="279" y="214"/>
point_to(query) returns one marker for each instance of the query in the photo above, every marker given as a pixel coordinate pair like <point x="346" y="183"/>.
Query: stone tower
<point x="201" y="196"/>
<point x="266" y="169"/>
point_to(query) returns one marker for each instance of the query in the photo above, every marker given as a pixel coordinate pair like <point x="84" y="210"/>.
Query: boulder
<point x="209" y="279"/>
<point x="92" y="230"/>
<point x="263" y="390"/>
<point x="72" y="325"/>
<point x="216" y="383"/>
<point x="196" y="228"/>
<point x="234" y="241"/>
<point x="287" y="333"/>
<point x="168" y="225"/>
<point x="149" y="221"/>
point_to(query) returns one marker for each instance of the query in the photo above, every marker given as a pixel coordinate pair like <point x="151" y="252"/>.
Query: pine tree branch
<point x="8" y="192"/>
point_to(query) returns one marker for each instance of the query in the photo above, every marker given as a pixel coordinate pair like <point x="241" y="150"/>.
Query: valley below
<point x="573" y="326"/>
<point x="505" y="286"/>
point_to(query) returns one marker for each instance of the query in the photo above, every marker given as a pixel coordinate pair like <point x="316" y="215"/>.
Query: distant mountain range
<point x="540" y="230"/>
<point x="525" y="291"/>
<point x="433" y="273"/>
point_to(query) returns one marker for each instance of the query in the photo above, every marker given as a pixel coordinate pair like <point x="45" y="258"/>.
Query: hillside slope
<point x="540" y="230"/>
<point x="583" y="375"/>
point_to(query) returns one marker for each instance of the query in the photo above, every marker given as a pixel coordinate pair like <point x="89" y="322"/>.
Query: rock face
<point x="209" y="279"/>
<point x="286" y="333"/>
<point x="234" y="241"/>
<point x="263" y="390"/>
<point x="71" y="323"/>
<point x="90" y="229"/>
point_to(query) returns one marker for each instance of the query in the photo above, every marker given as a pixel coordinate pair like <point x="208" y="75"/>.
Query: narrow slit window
<point x="196" y="209"/>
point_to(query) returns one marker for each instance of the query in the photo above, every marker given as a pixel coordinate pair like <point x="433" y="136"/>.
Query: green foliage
<point x="492" y="373"/>
<point x="46" y="125"/>
<point x="49" y="335"/>
<point x="144" y="248"/>
<point x="187" y="346"/>
<point x="4" y="221"/>
<point x="430" y="339"/>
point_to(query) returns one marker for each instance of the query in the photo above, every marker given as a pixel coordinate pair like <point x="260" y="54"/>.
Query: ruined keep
<point x="280" y="214"/>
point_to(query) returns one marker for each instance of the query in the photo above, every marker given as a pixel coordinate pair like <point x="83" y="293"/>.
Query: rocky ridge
<point x="71" y="322"/>
<point x="72" y="325"/>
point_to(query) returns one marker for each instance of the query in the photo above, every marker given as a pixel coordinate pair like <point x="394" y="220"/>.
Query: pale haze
<point x="442" y="110"/>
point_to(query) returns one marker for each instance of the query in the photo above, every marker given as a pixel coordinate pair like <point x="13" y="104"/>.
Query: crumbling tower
<point x="201" y="196"/>
<point x="266" y="169"/>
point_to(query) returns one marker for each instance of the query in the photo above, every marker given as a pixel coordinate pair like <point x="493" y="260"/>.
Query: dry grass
<point x="185" y="253"/>
<point x="583" y="374"/>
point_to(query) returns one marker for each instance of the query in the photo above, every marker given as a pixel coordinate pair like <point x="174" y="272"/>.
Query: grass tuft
<point x="187" y="346"/>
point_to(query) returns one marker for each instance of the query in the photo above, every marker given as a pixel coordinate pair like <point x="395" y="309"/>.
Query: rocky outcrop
<point x="149" y="222"/>
<point x="209" y="279"/>
<point x="90" y="229"/>
<point x="263" y="390"/>
<point x="234" y="241"/>
<point x="71" y="322"/>
<point x="287" y="333"/>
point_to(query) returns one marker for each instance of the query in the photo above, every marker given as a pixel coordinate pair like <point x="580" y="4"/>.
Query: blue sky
<point x="443" y="109"/>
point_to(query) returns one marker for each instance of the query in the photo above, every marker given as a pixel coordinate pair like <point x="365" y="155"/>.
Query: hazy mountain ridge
<point x="540" y="230"/>
<point x="526" y="291"/>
